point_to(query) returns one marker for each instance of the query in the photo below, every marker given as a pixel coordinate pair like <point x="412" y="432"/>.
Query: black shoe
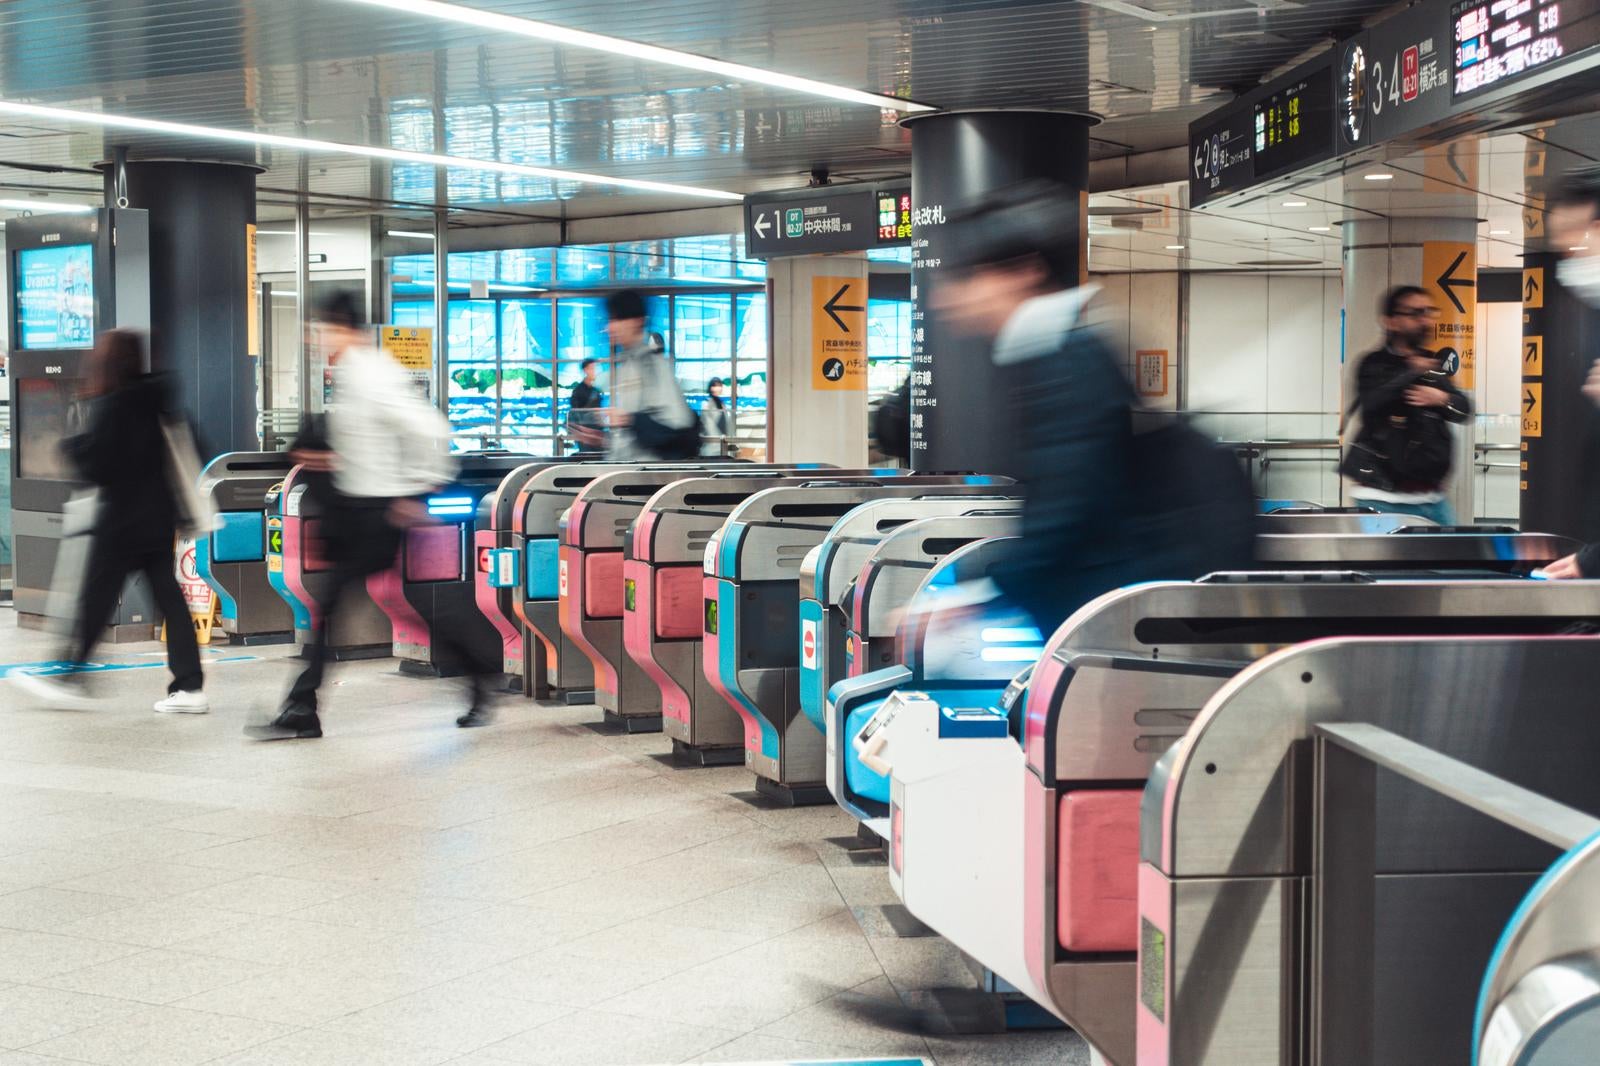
<point x="480" y="715"/>
<point x="294" y="722"/>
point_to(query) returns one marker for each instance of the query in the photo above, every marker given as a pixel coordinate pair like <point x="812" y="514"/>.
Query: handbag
<point x="658" y="438"/>
<point x="196" y="516"/>
<point x="78" y="518"/>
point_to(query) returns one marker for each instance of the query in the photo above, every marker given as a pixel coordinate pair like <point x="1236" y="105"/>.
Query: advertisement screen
<point x="42" y="419"/>
<point x="55" y="297"/>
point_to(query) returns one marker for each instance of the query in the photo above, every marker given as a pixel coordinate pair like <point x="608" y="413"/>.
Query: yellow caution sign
<point x="1532" y="357"/>
<point x="839" y="333"/>
<point x="1532" y="287"/>
<point x="1450" y="274"/>
<point x="1532" y="409"/>
<point x="412" y="348"/>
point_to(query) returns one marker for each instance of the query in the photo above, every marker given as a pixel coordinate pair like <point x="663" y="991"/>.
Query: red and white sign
<point x="1410" y="73"/>
<point x="808" y="644"/>
<point x="196" y="593"/>
<point x="562" y="587"/>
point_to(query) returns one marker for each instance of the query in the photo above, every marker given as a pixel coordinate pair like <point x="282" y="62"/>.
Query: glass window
<point x="888" y="345"/>
<point x="527" y="357"/>
<point x="581" y="330"/>
<point x="579" y="265"/>
<point x="750" y="368"/>
<point x="473" y="366"/>
<point x="644" y="261"/>
<point x="412" y="313"/>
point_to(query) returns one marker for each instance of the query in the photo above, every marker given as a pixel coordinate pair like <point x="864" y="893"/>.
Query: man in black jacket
<point x="1401" y="456"/>
<point x="1114" y="495"/>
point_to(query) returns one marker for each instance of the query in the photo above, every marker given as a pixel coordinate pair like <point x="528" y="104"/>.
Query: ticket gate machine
<point x="1120" y="683"/>
<point x="496" y="563"/>
<point x="751" y="647"/>
<point x="594" y="600"/>
<point x="663" y="619"/>
<point x="553" y="663"/>
<point x="1541" y="990"/>
<point x="893" y="573"/>
<point x="1352" y="521"/>
<point x="433" y="585"/>
<point x="828" y="576"/>
<point x="233" y="559"/>
<point x="1318" y="879"/>
<point x="361" y="630"/>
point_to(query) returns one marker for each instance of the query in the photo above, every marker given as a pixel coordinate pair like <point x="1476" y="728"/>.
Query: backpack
<point x="655" y="436"/>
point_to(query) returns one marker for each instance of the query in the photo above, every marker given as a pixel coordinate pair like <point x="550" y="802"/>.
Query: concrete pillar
<point x="960" y="407"/>
<point x="1439" y="254"/>
<point x="817" y="387"/>
<point x="200" y="291"/>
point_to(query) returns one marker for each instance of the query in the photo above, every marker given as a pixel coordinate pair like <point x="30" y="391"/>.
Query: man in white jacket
<point x="383" y="447"/>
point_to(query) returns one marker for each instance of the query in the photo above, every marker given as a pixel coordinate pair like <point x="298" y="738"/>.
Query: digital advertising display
<point x="55" y="297"/>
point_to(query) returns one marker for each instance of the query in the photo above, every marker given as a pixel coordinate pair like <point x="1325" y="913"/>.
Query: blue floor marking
<point x="53" y="667"/>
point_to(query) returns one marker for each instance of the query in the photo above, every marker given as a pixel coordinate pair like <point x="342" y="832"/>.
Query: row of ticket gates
<point x="1337" y="809"/>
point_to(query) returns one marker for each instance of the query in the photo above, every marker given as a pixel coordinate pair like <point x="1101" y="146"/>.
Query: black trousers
<point x="109" y="567"/>
<point x="361" y="542"/>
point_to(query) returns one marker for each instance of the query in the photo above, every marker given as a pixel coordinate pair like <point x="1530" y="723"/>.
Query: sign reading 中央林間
<point x="838" y="333"/>
<point x="832" y="218"/>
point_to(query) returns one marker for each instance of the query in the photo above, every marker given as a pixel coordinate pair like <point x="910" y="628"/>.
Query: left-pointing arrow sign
<point x="761" y="225"/>
<point x="1448" y="283"/>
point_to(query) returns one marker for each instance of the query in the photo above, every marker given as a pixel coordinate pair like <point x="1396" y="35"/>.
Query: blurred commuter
<point x="649" y="417"/>
<point x="583" y="418"/>
<point x="716" y="419"/>
<point x="1574" y="226"/>
<point x="1114" y="494"/>
<point x="891" y="423"/>
<point x="123" y="452"/>
<point x="1400" y="460"/>
<point x="380" y="448"/>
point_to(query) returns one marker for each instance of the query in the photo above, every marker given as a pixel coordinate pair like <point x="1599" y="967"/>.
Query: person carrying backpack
<point x="1403" y="452"/>
<point x="650" y="418"/>
<point x="1114" y="494"/>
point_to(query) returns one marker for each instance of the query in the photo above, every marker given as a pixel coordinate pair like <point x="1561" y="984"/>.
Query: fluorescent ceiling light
<point x="1294" y="203"/>
<point x="413" y="234"/>
<point x="45" y="207"/>
<point x="1499" y="233"/>
<point x="1319" y="229"/>
<point x="1174" y="247"/>
<point x="1579" y="248"/>
<point x="370" y="151"/>
<point x="545" y="31"/>
<point x="1380" y="176"/>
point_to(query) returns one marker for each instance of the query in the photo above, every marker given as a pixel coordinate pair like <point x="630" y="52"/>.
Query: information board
<point x="1393" y="78"/>
<point x="1499" y="41"/>
<point x="55" y="297"/>
<point x="846" y="218"/>
<point x="1294" y="124"/>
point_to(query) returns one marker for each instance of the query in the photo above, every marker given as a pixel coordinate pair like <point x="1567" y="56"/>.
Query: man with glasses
<point x="1401" y="457"/>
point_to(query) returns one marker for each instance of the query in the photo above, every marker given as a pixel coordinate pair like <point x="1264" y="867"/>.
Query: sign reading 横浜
<point x="1450" y="274"/>
<point x="838" y="333"/>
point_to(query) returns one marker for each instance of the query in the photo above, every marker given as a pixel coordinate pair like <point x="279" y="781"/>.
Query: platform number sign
<point x="1532" y="409"/>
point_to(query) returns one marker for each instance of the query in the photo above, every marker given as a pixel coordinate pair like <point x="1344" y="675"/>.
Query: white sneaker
<point x="54" y="690"/>
<point x="184" y="703"/>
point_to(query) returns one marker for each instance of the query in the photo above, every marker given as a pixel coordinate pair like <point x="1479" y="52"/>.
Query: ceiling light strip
<point x="545" y="31"/>
<point x="370" y="151"/>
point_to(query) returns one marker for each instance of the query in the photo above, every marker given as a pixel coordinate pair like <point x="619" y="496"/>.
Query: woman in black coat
<point x="122" y="452"/>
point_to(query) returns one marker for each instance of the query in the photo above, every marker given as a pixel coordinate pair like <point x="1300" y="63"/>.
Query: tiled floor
<point x="406" y="893"/>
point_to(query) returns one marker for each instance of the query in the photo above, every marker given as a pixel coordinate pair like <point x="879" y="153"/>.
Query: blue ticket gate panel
<point x="233" y="559"/>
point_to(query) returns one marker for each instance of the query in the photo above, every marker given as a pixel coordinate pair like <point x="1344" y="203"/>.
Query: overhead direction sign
<point x="1450" y="273"/>
<point x="832" y="218"/>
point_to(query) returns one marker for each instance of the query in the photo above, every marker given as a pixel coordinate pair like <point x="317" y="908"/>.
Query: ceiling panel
<point x="334" y="70"/>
